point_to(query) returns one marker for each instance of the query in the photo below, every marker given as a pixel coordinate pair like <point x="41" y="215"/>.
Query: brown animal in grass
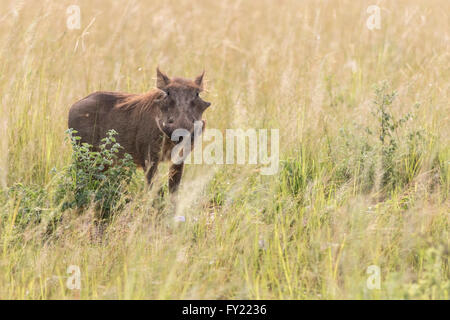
<point x="144" y="122"/>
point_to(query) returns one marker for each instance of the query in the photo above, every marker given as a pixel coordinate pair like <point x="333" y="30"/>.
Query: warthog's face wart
<point x="181" y="106"/>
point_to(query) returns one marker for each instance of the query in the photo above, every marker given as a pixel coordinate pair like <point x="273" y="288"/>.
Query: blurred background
<point x="345" y="198"/>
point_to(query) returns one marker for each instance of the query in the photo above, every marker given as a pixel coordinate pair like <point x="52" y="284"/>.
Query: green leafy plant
<point x="399" y="167"/>
<point x="98" y="175"/>
<point x="433" y="282"/>
<point x="31" y="202"/>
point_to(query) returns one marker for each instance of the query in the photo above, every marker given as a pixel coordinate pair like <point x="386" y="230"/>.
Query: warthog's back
<point x="93" y="116"/>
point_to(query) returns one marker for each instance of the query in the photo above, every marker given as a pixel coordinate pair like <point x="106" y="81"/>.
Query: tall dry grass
<point x="308" y="68"/>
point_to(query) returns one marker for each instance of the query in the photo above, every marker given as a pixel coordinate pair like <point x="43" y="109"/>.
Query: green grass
<point x="364" y="174"/>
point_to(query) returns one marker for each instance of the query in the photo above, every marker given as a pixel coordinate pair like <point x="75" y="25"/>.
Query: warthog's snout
<point x="179" y="134"/>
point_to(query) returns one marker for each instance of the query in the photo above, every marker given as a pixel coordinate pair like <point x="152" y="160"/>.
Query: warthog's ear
<point x="199" y="80"/>
<point x="161" y="79"/>
<point x="160" y="95"/>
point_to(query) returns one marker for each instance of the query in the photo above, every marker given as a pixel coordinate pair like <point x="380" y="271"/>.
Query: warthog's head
<point x="181" y="105"/>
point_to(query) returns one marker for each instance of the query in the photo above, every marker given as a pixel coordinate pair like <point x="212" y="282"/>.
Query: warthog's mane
<point x="141" y="102"/>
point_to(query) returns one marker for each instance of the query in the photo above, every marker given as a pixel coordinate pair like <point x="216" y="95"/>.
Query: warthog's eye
<point x="197" y="94"/>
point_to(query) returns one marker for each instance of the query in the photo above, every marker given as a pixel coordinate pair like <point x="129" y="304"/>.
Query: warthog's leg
<point x="150" y="170"/>
<point x="175" y="173"/>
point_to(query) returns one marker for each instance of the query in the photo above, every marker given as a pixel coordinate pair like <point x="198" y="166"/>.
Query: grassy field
<point x="364" y="151"/>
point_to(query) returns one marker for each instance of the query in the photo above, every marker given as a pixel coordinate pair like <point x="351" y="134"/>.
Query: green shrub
<point x="433" y="282"/>
<point x="95" y="176"/>
<point x="354" y="158"/>
<point x="31" y="202"/>
<point x="398" y="166"/>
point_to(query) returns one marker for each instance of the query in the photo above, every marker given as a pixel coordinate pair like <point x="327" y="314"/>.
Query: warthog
<point x="144" y="122"/>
